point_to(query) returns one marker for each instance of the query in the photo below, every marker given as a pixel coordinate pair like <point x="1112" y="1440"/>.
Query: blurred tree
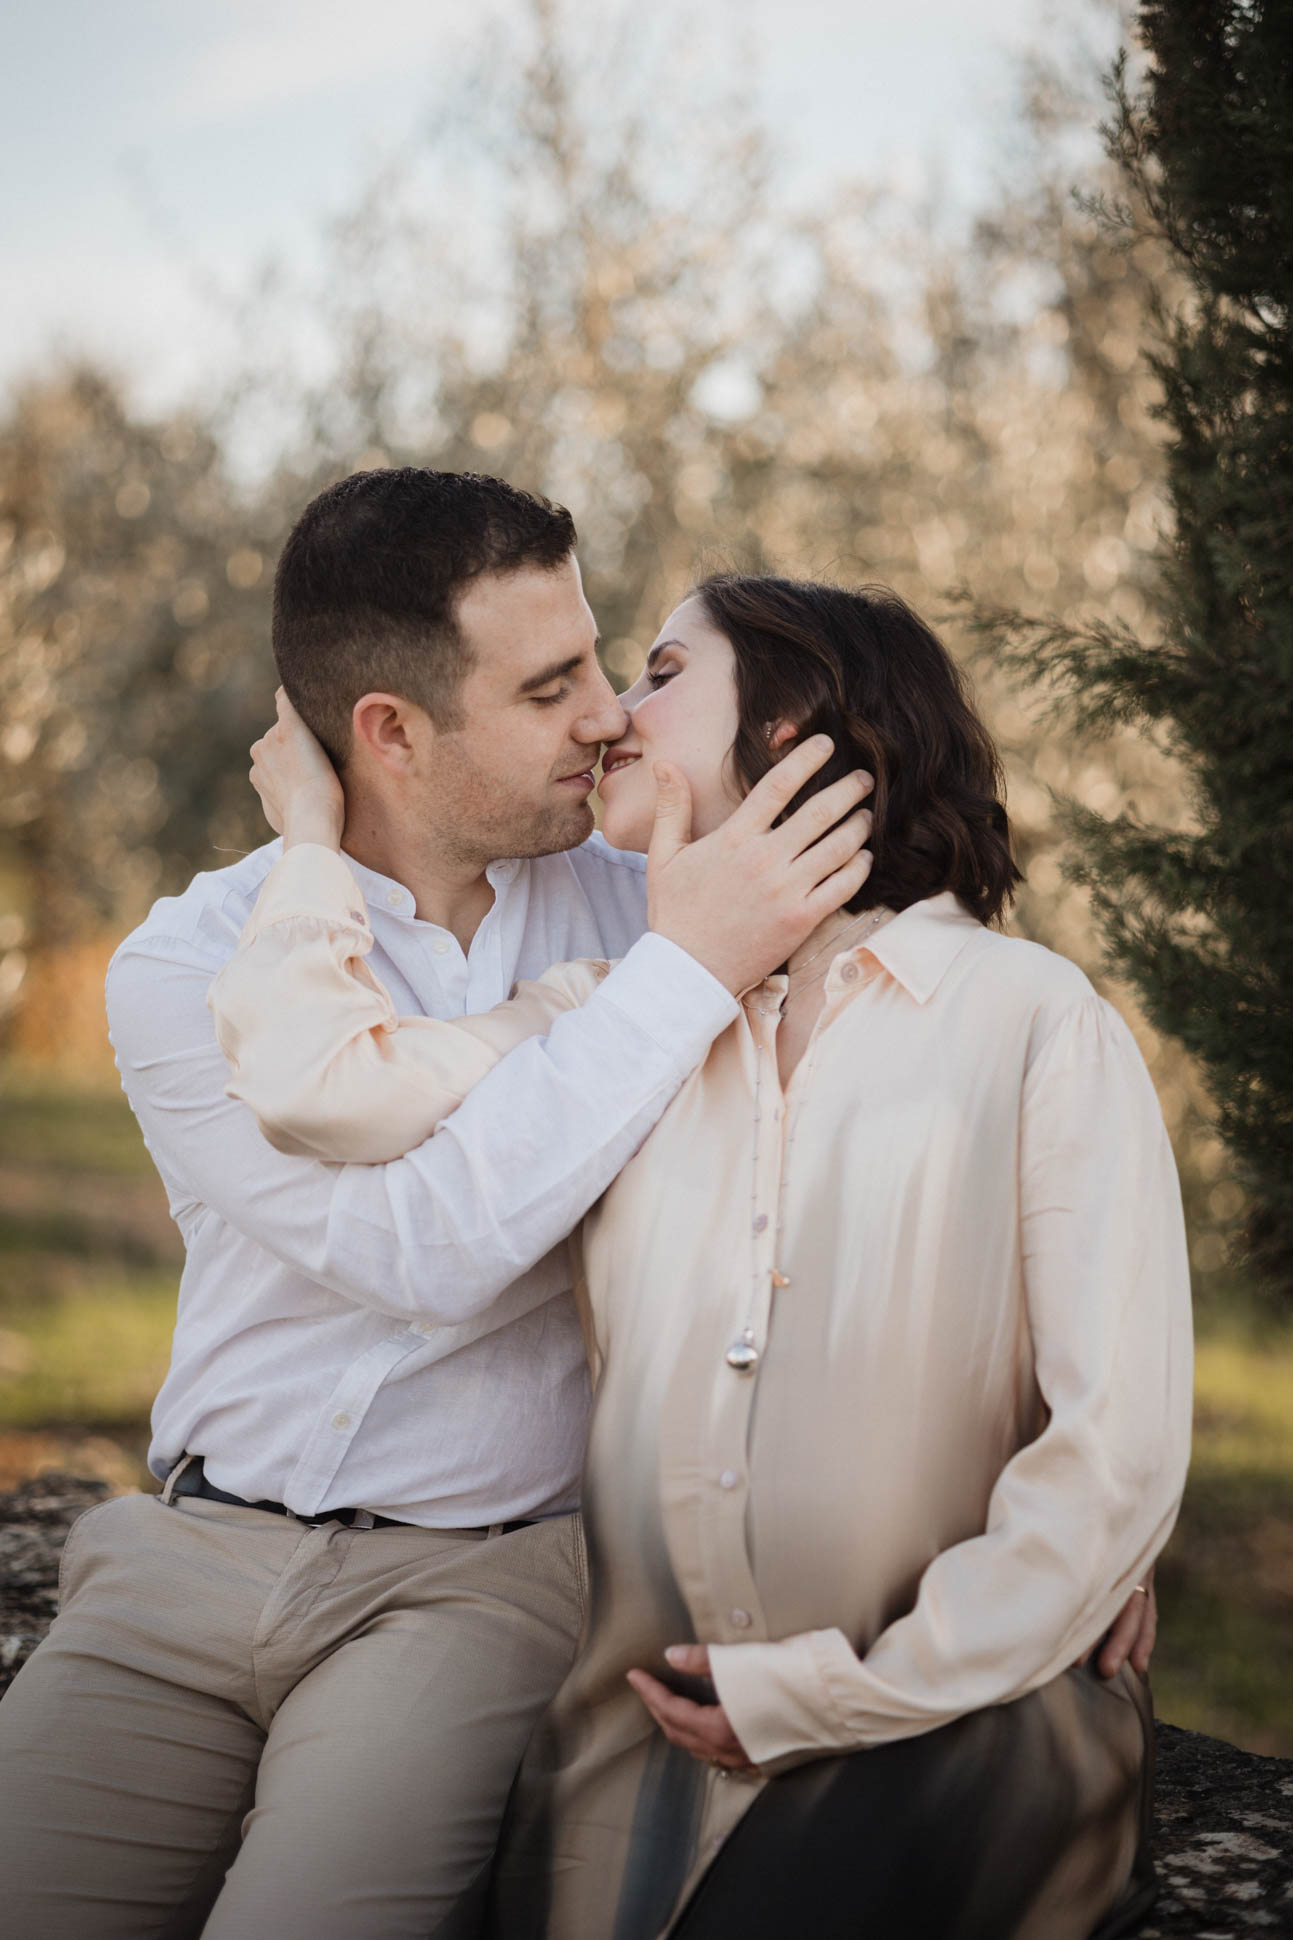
<point x="590" y="281"/>
<point x="1198" y="913"/>
<point x="132" y="612"/>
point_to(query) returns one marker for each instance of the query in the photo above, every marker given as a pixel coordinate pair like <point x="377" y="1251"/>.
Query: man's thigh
<point x="384" y="1778"/>
<point x="122" y="1785"/>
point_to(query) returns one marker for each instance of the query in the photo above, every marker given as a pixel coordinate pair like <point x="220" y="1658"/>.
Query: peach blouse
<point x="895" y="1368"/>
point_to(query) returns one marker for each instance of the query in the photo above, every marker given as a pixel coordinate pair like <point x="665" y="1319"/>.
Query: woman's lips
<point x="613" y="765"/>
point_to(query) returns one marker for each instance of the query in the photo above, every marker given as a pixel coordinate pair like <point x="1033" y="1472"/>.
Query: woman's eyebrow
<point x="659" y="648"/>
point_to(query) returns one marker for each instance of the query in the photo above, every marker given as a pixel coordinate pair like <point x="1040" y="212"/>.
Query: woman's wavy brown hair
<point x="859" y="665"/>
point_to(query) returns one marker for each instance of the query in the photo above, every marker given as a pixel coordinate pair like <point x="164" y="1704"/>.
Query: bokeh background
<point x="811" y="286"/>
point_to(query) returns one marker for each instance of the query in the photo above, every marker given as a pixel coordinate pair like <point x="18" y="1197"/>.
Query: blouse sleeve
<point x="1080" y="1513"/>
<point x="311" y="1034"/>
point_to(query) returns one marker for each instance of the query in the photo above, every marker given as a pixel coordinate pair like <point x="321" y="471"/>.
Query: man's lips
<point x="583" y="778"/>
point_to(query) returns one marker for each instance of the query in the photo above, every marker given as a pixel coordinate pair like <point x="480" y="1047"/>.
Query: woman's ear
<point x="780" y="734"/>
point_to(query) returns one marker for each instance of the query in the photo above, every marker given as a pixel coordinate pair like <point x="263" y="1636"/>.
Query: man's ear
<point x="390" y="730"/>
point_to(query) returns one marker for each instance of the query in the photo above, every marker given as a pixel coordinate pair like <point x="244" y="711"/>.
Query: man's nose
<point x="604" y="719"/>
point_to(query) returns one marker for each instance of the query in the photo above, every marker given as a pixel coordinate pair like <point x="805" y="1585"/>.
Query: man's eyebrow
<point x="557" y="671"/>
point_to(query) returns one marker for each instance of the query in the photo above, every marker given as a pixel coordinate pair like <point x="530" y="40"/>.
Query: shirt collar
<point x="919" y="945"/>
<point x="384" y="893"/>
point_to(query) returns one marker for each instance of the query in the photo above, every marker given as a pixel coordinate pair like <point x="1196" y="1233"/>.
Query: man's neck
<point x="455" y="895"/>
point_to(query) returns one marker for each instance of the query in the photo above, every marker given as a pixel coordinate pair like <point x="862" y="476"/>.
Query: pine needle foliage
<point x="1199" y="918"/>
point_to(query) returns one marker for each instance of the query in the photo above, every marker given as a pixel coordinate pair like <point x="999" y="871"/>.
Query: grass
<point x="1225" y="1584"/>
<point x="88" y="1269"/>
<point x="68" y="1131"/>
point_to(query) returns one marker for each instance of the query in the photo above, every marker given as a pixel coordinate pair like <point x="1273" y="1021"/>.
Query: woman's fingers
<point x="692" y="1658"/>
<point x="1132" y="1636"/>
<point x="701" y="1729"/>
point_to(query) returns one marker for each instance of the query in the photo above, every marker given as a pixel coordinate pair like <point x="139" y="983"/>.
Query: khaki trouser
<point x="246" y="1728"/>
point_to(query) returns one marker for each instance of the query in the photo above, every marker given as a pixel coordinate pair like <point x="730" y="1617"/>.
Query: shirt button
<point x="341" y="1421"/>
<point x="394" y="897"/>
<point x="426" y="1326"/>
<point x="741" y="1619"/>
<point x="850" y="973"/>
<point x="441" y="946"/>
<point x="728" y="1479"/>
<point x="761" y="1223"/>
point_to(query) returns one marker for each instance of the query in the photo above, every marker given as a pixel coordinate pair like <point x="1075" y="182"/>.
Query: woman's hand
<point x="296" y="782"/>
<point x="1131" y="1635"/>
<point x="701" y="1729"/>
<point x="1134" y="1631"/>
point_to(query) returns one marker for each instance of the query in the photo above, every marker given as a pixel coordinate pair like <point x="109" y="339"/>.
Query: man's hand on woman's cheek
<point x="743" y="898"/>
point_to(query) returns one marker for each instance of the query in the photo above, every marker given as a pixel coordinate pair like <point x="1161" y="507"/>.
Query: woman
<point x="891" y="1322"/>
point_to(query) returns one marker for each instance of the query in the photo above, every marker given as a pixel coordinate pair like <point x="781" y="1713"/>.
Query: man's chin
<point x="556" y="833"/>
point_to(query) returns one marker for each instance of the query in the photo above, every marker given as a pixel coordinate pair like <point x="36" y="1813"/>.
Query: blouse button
<point x="728" y="1479"/>
<point x="850" y="973"/>
<point x="761" y="1223"/>
<point x="741" y="1619"/>
<point x="356" y="915"/>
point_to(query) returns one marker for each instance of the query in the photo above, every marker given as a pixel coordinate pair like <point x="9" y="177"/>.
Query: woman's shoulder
<point x="1032" y="969"/>
<point x="1068" y="1018"/>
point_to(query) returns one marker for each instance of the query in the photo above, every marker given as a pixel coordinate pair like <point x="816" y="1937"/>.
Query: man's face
<point x="515" y="778"/>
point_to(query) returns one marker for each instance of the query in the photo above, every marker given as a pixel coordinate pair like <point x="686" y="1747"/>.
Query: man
<point x="287" y="1697"/>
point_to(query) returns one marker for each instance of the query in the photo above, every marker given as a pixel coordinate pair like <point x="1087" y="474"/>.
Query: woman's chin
<point x="625" y="829"/>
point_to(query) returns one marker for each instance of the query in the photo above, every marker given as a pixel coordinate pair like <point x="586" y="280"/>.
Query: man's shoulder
<point x="203" y="923"/>
<point x="596" y="857"/>
<point x="599" y="869"/>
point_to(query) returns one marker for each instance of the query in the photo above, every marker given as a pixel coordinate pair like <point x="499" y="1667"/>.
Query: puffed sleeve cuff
<point x="310" y="881"/>
<point x="784" y="1699"/>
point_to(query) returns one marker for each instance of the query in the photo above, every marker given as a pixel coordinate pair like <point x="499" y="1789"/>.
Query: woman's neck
<point x="841" y="930"/>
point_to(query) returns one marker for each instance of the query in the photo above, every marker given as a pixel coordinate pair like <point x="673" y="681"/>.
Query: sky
<point x="153" y="155"/>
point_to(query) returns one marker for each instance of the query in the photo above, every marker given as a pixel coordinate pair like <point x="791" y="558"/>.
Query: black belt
<point x="192" y="1480"/>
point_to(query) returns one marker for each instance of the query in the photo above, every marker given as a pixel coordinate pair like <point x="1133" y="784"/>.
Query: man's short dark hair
<point x="858" y="664"/>
<point x="367" y="585"/>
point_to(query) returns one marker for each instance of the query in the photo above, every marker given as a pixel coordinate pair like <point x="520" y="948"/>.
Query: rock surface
<point x="1224" y="1844"/>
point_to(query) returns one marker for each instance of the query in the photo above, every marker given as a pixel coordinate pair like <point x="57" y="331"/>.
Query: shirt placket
<point x="711" y="1403"/>
<point x="724" y="1599"/>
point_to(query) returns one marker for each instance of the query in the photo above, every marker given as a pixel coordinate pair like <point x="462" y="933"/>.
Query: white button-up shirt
<point x="402" y="1337"/>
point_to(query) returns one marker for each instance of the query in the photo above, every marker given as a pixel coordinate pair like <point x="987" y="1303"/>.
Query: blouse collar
<point x="919" y="945"/>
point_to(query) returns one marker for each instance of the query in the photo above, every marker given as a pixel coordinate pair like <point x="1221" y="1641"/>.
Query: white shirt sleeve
<point x="440" y="1233"/>
<point x="1079" y="1514"/>
<point x="314" y="1043"/>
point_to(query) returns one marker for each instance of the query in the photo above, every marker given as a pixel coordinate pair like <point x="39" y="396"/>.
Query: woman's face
<point x="681" y="710"/>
